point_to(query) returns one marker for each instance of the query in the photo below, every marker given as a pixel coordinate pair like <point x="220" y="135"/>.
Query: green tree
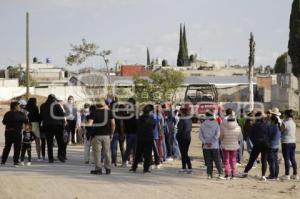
<point x="161" y="86"/>
<point x="281" y="63"/>
<point x="148" y="58"/>
<point x="186" y="51"/>
<point x="79" y="54"/>
<point x="294" y="41"/>
<point x="181" y="53"/>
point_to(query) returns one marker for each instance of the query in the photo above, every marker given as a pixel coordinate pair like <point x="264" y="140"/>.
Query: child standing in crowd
<point x="288" y="140"/>
<point x="184" y="140"/>
<point x="231" y="134"/>
<point x="28" y="137"/>
<point x="209" y="136"/>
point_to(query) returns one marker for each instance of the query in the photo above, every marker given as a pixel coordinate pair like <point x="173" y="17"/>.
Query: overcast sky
<point x="216" y="29"/>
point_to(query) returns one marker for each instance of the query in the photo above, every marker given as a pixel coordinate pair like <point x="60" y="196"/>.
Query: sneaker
<point x="263" y="178"/>
<point x="243" y="175"/>
<point x="125" y="164"/>
<point x="209" y="177"/>
<point x="16" y="164"/>
<point x="96" y="172"/>
<point x="227" y="177"/>
<point x="158" y="166"/>
<point x="22" y="163"/>
<point x="182" y="171"/>
<point x="285" y="177"/>
<point x="220" y="177"/>
<point x="107" y="171"/>
<point x="295" y="177"/>
<point x="232" y="178"/>
<point x="169" y="159"/>
<point x="146" y="172"/>
<point x="189" y="171"/>
<point x="132" y="170"/>
<point x="28" y="163"/>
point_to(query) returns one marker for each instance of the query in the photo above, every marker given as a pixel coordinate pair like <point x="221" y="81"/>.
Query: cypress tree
<point x="148" y="58"/>
<point x="294" y="42"/>
<point x="180" y="57"/>
<point x="186" y="52"/>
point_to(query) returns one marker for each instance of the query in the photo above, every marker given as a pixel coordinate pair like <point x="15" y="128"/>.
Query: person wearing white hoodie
<point x="209" y="135"/>
<point x="231" y="134"/>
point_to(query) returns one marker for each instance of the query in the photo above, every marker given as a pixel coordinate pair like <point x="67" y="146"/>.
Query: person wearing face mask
<point x="71" y="112"/>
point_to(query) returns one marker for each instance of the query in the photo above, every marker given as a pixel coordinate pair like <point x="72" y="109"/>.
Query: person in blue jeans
<point x="274" y="139"/>
<point x="130" y="123"/>
<point x="288" y="140"/>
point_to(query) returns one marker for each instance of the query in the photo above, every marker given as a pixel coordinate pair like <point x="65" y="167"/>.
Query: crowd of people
<point x="151" y="135"/>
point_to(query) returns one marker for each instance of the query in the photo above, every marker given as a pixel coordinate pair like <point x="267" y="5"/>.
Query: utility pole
<point x="27" y="56"/>
<point x="251" y="70"/>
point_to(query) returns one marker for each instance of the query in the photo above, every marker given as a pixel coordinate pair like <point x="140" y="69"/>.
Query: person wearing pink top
<point x="231" y="134"/>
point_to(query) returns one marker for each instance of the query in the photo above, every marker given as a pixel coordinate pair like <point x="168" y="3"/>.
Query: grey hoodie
<point x="210" y="133"/>
<point x="289" y="133"/>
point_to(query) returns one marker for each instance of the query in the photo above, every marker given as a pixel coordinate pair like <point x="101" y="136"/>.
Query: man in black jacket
<point x="13" y="121"/>
<point x="258" y="134"/>
<point x="145" y="126"/>
<point x="52" y="119"/>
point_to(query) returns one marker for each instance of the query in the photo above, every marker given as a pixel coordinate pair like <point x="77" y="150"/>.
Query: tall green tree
<point x="148" y="58"/>
<point x="294" y="41"/>
<point x="186" y="51"/>
<point x="280" y="64"/>
<point x="181" y="53"/>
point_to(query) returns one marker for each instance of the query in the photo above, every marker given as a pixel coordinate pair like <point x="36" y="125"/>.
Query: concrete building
<point x="285" y="94"/>
<point x="131" y="70"/>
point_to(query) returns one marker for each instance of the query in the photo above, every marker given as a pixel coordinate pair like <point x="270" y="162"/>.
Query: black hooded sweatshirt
<point x="52" y="113"/>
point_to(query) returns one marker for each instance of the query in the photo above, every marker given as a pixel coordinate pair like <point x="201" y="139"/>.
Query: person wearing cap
<point x="258" y="134"/>
<point x="288" y="140"/>
<point x="103" y="125"/>
<point x="209" y="135"/>
<point x="231" y="134"/>
<point x="53" y="122"/>
<point x="145" y="126"/>
<point x="13" y="121"/>
<point x="184" y="140"/>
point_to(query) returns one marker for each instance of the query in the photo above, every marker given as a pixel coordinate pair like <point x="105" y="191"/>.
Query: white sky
<point x="216" y="29"/>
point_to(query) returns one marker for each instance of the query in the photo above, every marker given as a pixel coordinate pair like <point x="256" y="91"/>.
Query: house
<point x="132" y="70"/>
